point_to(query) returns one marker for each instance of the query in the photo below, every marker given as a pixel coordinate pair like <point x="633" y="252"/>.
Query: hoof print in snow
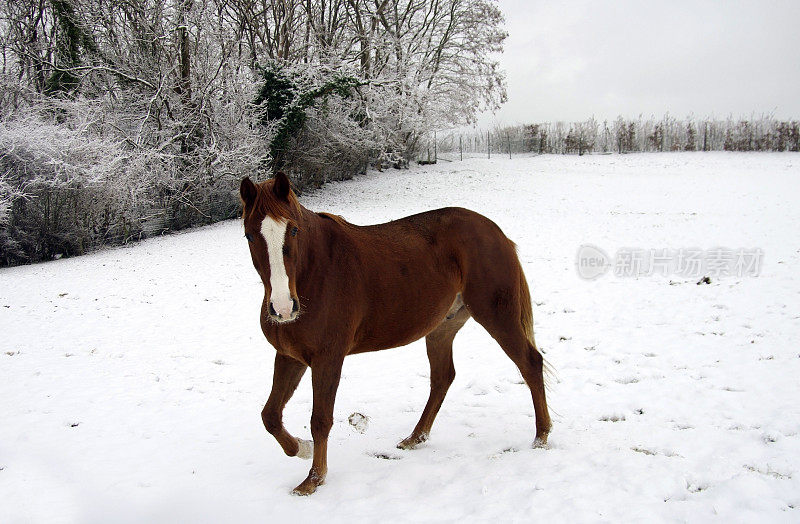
<point x="732" y="389"/>
<point x="691" y="487"/>
<point x="562" y="339"/>
<point x="704" y="280"/>
<point x="770" y="438"/>
<point x="359" y="422"/>
<point x="503" y="452"/>
<point x="768" y="472"/>
<point x="385" y="456"/>
<point x="615" y="417"/>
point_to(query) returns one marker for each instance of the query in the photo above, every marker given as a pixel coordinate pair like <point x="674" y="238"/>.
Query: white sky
<point x="571" y="60"/>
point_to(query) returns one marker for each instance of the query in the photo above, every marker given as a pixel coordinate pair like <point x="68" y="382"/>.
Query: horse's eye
<point x="249" y="237"/>
<point x="293" y="232"/>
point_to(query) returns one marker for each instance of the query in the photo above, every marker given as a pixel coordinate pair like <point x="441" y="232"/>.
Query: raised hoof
<point x="412" y="441"/>
<point x="308" y="486"/>
<point x="305" y="449"/>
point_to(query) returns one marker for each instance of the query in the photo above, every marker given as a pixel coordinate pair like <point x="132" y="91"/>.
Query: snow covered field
<point x="132" y="379"/>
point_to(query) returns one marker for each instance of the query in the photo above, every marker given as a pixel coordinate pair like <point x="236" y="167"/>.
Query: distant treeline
<point x="627" y="136"/>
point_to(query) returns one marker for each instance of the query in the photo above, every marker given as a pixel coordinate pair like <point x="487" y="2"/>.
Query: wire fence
<point x="620" y="136"/>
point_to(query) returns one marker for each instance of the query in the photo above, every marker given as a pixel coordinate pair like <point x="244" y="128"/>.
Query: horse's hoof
<point x="540" y="442"/>
<point x="303" y="491"/>
<point x="308" y="486"/>
<point x="305" y="449"/>
<point x="412" y="442"/>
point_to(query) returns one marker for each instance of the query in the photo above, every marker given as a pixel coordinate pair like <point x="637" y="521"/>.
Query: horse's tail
<point x="526" y="308"/>
<point x="526" y="319"/>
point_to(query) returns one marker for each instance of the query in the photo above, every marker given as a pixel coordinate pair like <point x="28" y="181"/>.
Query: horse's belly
<point x="401" y="324"/>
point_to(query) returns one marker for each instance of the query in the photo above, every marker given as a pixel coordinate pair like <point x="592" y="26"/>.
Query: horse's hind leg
<point x="440" y="354"/>
<point x="286" y="376"/>
<point x="501" y="318"/>
<point x="531" y="364"/>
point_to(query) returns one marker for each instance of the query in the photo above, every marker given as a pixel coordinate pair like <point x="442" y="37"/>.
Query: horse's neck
<point x="316" y="241"/>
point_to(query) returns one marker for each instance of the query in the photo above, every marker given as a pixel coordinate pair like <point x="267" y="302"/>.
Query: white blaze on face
<point x="274" y="232"/>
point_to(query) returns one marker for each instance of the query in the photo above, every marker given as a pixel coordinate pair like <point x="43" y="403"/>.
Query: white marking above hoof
<point x="305" y="449"/>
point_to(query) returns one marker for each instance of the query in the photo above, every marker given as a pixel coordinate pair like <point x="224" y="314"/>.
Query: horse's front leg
<point x="325" y="375"/>
<point x="286" y="376"/>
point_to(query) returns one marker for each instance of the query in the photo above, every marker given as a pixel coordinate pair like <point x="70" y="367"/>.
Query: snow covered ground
<point x="132" y="379"/>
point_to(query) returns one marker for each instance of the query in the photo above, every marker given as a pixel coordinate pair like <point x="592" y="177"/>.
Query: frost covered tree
<point x="172" y="85"/>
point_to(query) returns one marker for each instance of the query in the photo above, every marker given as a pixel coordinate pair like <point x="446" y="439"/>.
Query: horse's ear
<point x="248" y="191"/>
<point x="282" y="186"/>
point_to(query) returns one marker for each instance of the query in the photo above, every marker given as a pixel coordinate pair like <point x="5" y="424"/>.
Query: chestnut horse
<point x="333" y="289"/>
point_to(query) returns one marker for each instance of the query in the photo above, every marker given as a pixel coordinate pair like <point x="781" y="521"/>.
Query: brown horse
<point x="332" y="289"/>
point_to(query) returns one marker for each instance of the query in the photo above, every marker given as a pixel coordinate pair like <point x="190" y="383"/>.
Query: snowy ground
<point x="132" y="379"/>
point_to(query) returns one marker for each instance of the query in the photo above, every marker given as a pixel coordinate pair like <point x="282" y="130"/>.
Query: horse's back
<point x="451" y="239"/>
<point x="413" y="268"/>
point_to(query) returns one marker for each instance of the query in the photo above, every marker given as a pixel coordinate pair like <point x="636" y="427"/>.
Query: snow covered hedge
<point x="66" y="189"/>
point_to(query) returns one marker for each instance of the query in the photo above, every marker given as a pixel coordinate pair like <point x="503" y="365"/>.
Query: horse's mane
<point x="336" y="218"/>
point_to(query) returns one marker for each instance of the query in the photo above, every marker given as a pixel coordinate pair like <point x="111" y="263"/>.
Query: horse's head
<point x="270" y="213"/>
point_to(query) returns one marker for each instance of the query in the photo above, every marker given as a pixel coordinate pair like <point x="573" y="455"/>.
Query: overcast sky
<point x="571" y="60"/>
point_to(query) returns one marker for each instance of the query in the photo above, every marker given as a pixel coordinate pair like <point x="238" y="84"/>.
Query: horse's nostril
<point x="295" y="306"/>
<point x="272" y="311"/>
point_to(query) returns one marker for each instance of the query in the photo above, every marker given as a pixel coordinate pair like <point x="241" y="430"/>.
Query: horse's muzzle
<point x="285" y="312"/>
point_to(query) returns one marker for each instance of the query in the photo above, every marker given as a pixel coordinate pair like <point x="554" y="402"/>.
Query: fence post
<point x="435" y="148"/>
<point x="429" y="149"/>
<point x="508" y="141"/>
<point x="488" y="144"/>
<point x="460" y="149"/>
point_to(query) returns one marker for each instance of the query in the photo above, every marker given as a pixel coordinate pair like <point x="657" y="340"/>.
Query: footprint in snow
<point x="768" y="472"/>
<point x="359" y="422"/>
<point x="505" y="451"/>
<point x="385" y="456"/>
<point x="654" y="452"/>
<point x="693" y="487"/>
